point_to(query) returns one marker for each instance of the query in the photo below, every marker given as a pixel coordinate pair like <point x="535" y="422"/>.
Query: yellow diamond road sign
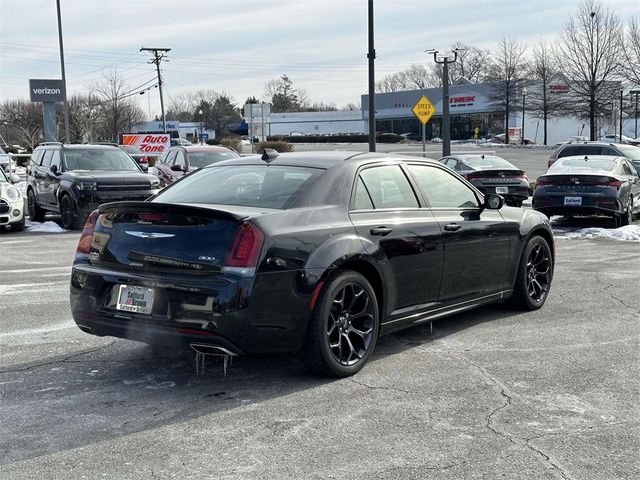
<point x="423" y="109"/>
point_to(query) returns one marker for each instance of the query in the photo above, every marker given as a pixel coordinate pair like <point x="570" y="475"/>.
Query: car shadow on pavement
<point x="124" y="387"/>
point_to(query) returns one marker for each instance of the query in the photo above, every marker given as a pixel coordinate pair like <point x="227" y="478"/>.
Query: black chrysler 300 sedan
<point x="317" y="253"/>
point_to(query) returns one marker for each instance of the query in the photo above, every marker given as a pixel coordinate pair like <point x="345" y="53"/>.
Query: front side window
<point x="55" y="159"/>
<point x="388" y="187"/>
<point x="442" y="189"/>
<point x="46" y="159"/>
<point x="180" y="160"/>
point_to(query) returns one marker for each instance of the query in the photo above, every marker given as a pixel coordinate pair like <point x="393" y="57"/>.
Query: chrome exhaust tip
<point x="205" y="349"/>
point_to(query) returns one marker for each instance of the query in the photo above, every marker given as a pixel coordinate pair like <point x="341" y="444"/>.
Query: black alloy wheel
<point x="534" y="276"/>
<point x="36" y="214"/>
<point x="68" y="213"/>
<point x="344" y="327"/>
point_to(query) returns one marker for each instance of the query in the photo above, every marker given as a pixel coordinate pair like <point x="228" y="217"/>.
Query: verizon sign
<point x="155" y="143"/>
<point x="41" y="90"/>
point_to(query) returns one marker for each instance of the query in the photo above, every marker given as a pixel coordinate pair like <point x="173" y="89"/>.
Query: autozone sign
<point x="148" y="142"/>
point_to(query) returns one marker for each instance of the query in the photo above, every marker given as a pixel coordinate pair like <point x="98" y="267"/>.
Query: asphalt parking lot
<point x="493" y="393"/>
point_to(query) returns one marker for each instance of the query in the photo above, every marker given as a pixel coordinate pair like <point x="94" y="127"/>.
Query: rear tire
<point x="36" y="214"/>
<point x="625" y="218"/>
<point x="343" y="329"/>
<point x="533" y="280"/>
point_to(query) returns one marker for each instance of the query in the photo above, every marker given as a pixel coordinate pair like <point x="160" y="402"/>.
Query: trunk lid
<point x="164" y="237"/>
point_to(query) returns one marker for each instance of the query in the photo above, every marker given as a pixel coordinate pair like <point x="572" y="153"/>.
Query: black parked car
<point x="178" y="161"/>
<point x="598" y="185"/>
<point x="316" y="252"/>
<point x="594" y="148"/>
<point x="491" y="174"/>
<point x="74" y="179"/>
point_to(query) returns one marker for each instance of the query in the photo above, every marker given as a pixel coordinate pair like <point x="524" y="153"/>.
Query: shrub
<point x="232" y="142"/>
<point x="279" y="145"/>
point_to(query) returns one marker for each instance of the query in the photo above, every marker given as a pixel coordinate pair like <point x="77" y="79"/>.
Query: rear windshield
<point x="487" y="162"/>
<point x="202" y="159"/>
<point x="586" y="150"/>
<point x="592" y="163"/>
<point x="99" y="159"/>
<point x="263" y="186"/>
<point x="629" y="151"/>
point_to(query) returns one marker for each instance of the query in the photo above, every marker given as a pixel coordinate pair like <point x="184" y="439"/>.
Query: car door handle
<point x="452" y="227"/>
<point x="382" y="231"/>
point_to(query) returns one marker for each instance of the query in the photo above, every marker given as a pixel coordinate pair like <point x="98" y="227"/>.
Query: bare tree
<point x="589" y="53"/>
<point x="117" y="111"/>
<point x="631" y="53"/>
<point x="472" y="64"/>
<point x="540" y="100"/>
<point x="25" y="118"/>
<point x="181" y="107"/>
<point x="506" y="72"/>
<point x="83" y="121"/>
<point x="353" y="106"/>
<point x="416" y="77"/>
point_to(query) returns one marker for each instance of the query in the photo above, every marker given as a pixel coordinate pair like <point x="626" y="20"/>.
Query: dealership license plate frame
<point x="572" y="201"/>
<point x="148" y="295"/>
<point x="502" y="190"/>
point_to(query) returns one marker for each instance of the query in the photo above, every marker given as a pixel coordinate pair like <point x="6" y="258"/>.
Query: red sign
<point x="559" y="88"/>
<point x="154" y="143"/>
<point x="467" y="99"/>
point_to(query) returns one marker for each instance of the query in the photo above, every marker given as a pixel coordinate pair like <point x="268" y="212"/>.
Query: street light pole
<point x="446" y="119"/>
<point x="524" y="98"/>
<point x="371" y="55"/>
<point x="200" y="112"/>
<point x="621" y="99"/>
<point x="67" y="137"/>
<point x="636" y="93"/>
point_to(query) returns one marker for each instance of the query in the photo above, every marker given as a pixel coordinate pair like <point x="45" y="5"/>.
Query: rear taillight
<point x="522" y="177"/>
<point x="542" y="183"/>
<point x="472" y="176"/>
<point x="84" y="244"/>
<point x="613" y="183"/>
<point x="247" y="244"/>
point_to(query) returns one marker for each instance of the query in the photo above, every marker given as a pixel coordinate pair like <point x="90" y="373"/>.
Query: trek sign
<point x="423" y="110"/>
<point x="42" y="90"/>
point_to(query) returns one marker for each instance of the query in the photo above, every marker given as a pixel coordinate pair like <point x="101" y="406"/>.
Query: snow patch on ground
<point x="22" y="186"/>
<point x="46" y="227"/>
<point x="629" y="233"/>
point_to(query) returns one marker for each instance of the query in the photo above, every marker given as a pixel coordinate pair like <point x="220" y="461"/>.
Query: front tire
<point x="535" y="272"/>
<point x="343" y="329"/>
<point x="68" y="213"/>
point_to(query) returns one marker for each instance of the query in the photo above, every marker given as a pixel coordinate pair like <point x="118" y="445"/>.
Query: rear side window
<point x="388" y="187"/>
<point x="264" y="186"/>
<point x="362" y="198"/>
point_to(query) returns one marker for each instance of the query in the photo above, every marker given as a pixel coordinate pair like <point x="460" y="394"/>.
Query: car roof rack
<point x="112" y="144"/>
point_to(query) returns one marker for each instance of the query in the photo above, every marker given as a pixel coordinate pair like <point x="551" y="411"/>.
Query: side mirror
<point x="144" y="167"/>
<point x="493" y="201"/>
<point x="54" y="169"/>
<point x="13" y="178"/>
<point x="177" y="168"/>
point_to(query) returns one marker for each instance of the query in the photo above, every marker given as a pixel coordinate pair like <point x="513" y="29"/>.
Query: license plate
<point x="135" y="299"/>
<point x="573" y="201"/>
<point x="500" y="190"/>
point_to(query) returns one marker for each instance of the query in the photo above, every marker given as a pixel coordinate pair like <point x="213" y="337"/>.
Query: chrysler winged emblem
<point x="149" y="234"/>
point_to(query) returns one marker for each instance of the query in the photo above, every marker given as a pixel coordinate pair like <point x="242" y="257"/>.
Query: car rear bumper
<point x="592" y="204"/>
<point x="266" y="313"/>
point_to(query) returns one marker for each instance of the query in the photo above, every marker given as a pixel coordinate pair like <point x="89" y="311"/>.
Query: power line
<point x="158" y="56"/>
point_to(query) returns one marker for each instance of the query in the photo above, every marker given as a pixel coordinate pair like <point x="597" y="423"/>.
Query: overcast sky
<point x="236" y="46"/>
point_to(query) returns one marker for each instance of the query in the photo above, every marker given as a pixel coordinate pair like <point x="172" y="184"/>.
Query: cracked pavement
<point x="492" y="393"/>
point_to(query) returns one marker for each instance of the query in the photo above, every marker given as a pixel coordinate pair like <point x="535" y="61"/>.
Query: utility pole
<point x="64" y="78"/>
<point x="157" y="58"/>
<point x="446" y="118"/>
<point x="621" y="100"/>
<point x="372" y="84"/>
<point x="636" y="93"/>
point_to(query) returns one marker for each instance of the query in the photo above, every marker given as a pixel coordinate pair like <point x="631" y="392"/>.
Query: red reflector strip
<point x="150" y="217"/>
<point x="316" y="292"/>
<point x="193" y="331"/>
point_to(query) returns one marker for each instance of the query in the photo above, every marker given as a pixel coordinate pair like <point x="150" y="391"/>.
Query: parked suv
<point x="74" y="179"/>
<point x="595" y="148"/>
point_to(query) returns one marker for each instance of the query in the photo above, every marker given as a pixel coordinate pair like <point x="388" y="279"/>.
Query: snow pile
<point x="46" y="227"/>
<point x="629" y="233"/>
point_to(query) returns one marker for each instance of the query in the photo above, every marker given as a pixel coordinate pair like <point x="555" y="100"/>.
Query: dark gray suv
<point x="73" y="180"/>
<point x="595" y="148"/>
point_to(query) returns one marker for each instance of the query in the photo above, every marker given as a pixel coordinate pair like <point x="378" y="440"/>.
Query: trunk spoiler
<point x="183" y="209"/>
